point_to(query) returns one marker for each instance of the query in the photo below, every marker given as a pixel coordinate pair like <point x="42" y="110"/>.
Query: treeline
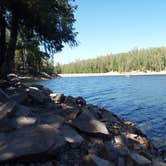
<point x="153" y="59"/>
<point x="33" y="30"/>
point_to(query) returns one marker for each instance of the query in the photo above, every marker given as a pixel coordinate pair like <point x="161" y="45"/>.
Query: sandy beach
<point x="127" y="74"/>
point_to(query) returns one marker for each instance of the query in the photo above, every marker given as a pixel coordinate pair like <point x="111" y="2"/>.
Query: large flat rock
<point x="42" y="139"/>
<point x="86" y="122"/>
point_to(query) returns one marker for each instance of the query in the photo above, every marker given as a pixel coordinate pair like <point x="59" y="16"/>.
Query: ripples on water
<point x="141" y="99"/>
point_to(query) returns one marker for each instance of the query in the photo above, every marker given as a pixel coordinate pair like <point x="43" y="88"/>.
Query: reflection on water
<point x="141" y="99"/>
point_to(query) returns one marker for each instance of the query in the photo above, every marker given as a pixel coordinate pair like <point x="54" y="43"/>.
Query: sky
<point x="114" y="26"/>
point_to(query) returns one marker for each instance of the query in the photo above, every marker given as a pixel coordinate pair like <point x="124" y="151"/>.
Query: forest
<point x="152" y="59"/>
<point x="31" y="32"/>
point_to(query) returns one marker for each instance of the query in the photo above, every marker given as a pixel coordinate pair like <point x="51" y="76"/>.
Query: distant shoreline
<point x="127" y="74"/>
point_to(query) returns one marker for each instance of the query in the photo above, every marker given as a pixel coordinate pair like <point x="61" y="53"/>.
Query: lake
<point x="141" y="99"/>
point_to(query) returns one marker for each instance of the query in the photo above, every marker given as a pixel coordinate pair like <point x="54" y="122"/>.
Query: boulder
<point x="93" y="160"/>
<point x="139" y="159"/>
<point x="36" y="142"/>
<point x="45" y="90"/>
<point x="57" y="97"/>
<point x="87" y="123"/>
<point x="37" y="95"/>
<point x="71" y="136"/>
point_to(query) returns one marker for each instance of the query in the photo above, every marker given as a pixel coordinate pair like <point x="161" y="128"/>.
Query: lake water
<point x="141" y="99"/>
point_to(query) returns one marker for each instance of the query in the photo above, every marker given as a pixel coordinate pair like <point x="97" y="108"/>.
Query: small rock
<point x="57" y="97"/>
<point x="25" y="121"/>
<point x="80" y="101"/>
<point x="93" y="160"/>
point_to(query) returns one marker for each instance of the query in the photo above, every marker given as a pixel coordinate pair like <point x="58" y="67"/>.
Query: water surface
<point x="141" y="99"/>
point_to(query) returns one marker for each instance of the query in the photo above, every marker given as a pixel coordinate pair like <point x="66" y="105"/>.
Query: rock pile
<point x="39" y="127"/>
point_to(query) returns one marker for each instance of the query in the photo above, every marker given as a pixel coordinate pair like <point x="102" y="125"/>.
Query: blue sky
<point x="113" y="26"/>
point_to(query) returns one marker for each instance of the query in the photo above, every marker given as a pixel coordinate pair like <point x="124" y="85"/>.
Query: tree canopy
<point x="33" y="23"/>
<point x="153" y="59"/>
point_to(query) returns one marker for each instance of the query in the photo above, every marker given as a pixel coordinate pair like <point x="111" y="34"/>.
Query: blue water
<point x="141" y="99"/>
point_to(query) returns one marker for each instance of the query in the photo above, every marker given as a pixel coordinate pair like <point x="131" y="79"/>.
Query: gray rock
<point x="71" y="135"/>
<point x="93" y="160"/>
<point x="140" y="160"/>
<point x="41" y="139"/>
<point x="85" y="122"/>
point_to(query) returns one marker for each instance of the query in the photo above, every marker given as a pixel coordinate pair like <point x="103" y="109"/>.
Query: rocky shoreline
<point x="39" y="127"/>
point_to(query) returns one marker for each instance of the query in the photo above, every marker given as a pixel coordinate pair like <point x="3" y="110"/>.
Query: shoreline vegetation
<point x="140" y="60"/>
<point x="127" y="74"/>
<point x="53" y="129"/>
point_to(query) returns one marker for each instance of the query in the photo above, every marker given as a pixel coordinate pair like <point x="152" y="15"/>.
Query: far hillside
<point x="152" y="59"/>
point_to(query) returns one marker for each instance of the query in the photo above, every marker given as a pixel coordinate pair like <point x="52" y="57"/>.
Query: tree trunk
<point x="9" y="61"/>
<point x="2" y="37"/>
